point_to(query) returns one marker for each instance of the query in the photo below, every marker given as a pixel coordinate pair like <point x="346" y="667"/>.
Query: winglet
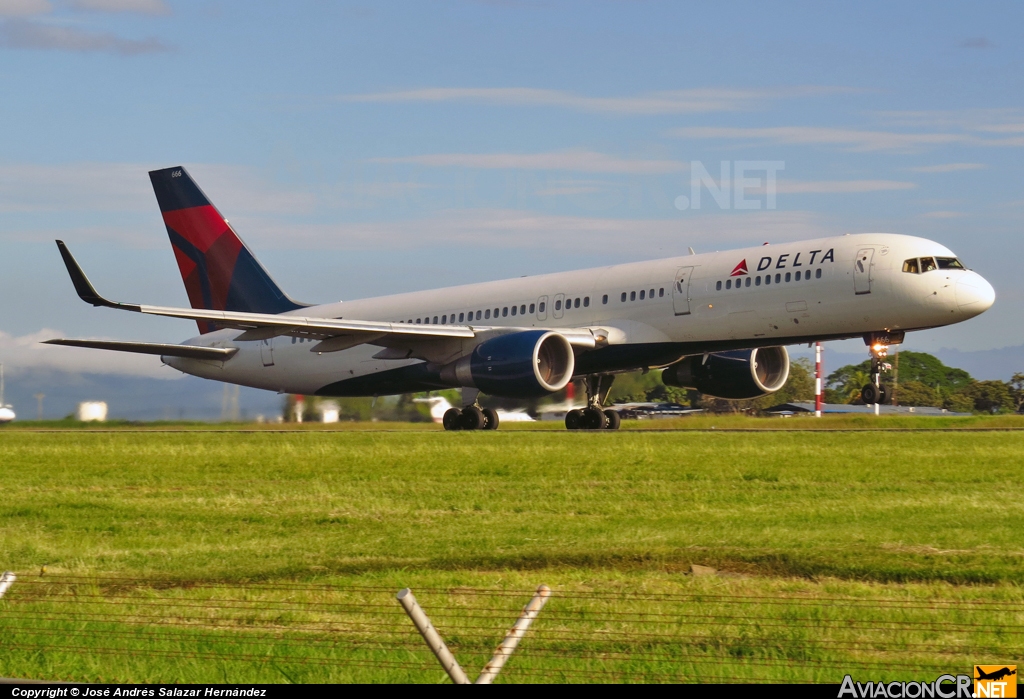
<point x="82" y="284"/>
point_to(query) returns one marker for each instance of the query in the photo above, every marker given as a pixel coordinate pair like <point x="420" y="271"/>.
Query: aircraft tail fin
<point x="219" y="271"/>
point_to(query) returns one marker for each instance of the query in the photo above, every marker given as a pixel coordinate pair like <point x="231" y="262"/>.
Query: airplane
<point x="439" y="407"/>
<point x="715" y="322"/>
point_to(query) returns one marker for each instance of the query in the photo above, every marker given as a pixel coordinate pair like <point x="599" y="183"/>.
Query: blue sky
<point x="364" y="149"/>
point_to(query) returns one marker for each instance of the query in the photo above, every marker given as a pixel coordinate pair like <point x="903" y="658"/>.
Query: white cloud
<point x="820" y="135"/>
<point x="148" y="7"/>
<point x="665" y="102"/>
<point x="575" y="160"/>
<point x="125" y="187"/>
<point x="24" y="34"/>
<point x="512" y="228"/>
<point x="947" y="167"/>
<point x="24" y="8"/>
<point x="839" y="186"/>
<point x="26" y="352"/>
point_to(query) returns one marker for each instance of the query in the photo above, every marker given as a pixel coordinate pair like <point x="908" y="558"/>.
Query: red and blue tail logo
<point x="218" y="270"/>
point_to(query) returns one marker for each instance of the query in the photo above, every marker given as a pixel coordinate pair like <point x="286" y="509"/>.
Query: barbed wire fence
<point x="121" y="629"/>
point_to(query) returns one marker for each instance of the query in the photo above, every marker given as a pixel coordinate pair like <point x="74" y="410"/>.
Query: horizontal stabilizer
<point x="157" y="348"/>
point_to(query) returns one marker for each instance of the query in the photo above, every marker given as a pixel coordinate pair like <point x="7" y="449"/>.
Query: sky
<point x="371" y="148"/>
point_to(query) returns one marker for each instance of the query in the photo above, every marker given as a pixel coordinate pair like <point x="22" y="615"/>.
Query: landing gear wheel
<point x="594" y="419"/>
<point x="473" y="418"/>
<point x="452" y="419"/>
<point x="574" y="420"/>
<point x="884" y="394"/>
<point x="869" y="394"/>
<point x="490" y="418"/>
<point x="614" y="419"/>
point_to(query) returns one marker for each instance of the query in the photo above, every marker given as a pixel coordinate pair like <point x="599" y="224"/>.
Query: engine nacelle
<point x="528" y="364"/>
<point x="735" y="374"/>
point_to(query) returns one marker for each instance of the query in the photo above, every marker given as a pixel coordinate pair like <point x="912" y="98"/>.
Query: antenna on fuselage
<point x="691" y="251"/>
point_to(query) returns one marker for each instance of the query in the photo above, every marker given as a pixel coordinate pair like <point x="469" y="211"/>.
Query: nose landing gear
<point x="876" y="393"/>
<point x="594" y="417"/>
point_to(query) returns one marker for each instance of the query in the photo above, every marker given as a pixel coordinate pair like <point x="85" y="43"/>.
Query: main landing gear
<point x="472" y="417"/>
<point x="594" y="417"/>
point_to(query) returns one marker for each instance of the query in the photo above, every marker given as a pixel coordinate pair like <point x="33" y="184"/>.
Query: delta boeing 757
<point x="715" y="322"/>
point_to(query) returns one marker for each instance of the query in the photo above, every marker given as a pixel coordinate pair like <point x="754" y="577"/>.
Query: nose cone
<point x="974" y="295"/>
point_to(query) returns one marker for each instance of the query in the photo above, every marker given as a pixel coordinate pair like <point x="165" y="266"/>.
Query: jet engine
<point x="527" y="364"/>
<point x="735" y="374"/>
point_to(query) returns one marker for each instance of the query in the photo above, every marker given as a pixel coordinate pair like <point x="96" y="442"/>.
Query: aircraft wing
<point x="335" y="333"/>
<point x="164" y="350"/>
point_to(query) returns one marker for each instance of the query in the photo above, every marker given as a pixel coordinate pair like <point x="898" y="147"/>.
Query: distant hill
<point x="131" y="397"/>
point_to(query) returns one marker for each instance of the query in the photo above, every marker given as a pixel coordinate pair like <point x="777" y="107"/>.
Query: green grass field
<point x="275" y="556"/>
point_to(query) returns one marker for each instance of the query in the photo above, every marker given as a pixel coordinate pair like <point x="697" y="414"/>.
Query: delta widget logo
<point x="740" y="269"/>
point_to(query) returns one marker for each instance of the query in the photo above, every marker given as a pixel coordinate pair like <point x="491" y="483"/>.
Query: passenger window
<point x="747" y="282"/>
<point x="757" y="280"/>
<point x="623" y="297"/>
<point x="576" y="303"/>
<point x="522" y="310"/>
<point x="504" y="312"/>
<point x="641" y="294"/>
<point x="541" y="307"/>
<point x="586" y="301"/>
<point x="651" y="294"/>
<point x="728" y="283"/>
<point x="778" y="278"/>
<point x="661" y="292"/>
<point x="418" y="321"/>
<point x="514" y="309"/>
<point x="927" y="264"/>
<point x="632" y="296"/>
<point x="817" y="273"/>
<point x="787" y="276"/>
<point x="487" y="314"/>
<point x="604" y="299"/>
<point x="558" y="305"/>
<point x="718" y="285"/>
<point x="461" y="317"/>
<point x="435" y="320"/>
<point x="532" y="306"/>
<point x="444" y="320"/>
<point x="910" y="266"/>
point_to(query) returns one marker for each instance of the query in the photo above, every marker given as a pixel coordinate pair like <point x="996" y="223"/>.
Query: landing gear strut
<point x="594" y="417"/>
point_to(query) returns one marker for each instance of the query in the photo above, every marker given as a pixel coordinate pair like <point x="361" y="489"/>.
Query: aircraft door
<point x="862" y="271"/>
<point x="267" y="351"/>
<point x="557" y="311"/>
<point x="681" y="291"/>
<point x="542" y="308"/>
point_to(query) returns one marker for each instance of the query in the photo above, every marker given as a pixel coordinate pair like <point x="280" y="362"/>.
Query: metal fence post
<point x="432" y="637"/>
<point x="515" y="634"/>
<point x="6" y="580"/>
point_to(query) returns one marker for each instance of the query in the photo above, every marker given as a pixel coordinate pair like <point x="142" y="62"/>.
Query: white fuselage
<point x="848" y="286"/>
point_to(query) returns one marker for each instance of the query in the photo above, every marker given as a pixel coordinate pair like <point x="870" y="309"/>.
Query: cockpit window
<point x="910" y="266"/>
<point x="927" y="264"/>
<point x="949" y="263"/>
